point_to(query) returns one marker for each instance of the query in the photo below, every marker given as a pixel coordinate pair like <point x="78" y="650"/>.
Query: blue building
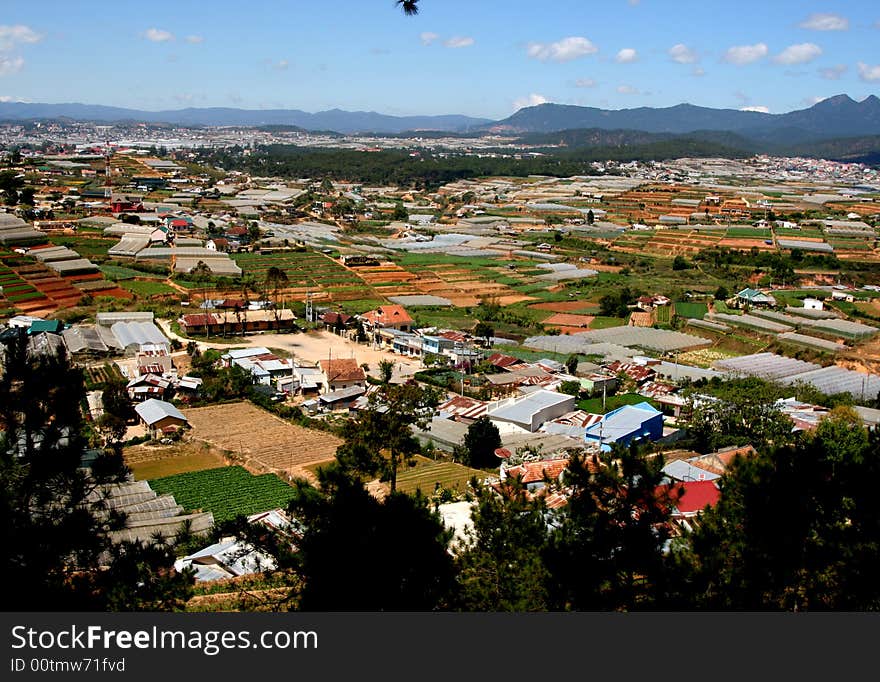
<point x="641" y="422"/>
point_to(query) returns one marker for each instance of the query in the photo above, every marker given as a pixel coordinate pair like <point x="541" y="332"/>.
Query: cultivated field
<point x="226" y="492"/>
<point x="261" y="441"/>
<point x="428" y="476"/>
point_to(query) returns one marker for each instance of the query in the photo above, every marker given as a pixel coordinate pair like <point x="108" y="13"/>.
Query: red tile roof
<point x="532" y="472"/>
<point x="343" y="369"/>
<point x="388" y="316"/>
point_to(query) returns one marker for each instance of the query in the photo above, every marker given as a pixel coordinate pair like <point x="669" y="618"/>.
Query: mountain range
<point x="334" y="119"/>
<point x="819" y="126"/>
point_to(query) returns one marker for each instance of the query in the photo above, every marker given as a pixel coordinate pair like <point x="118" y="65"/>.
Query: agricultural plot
<point x="263" y="441"/>
<point x="306" y="271"/>
<point x="663" y="314"/>
<point x="226" y="492"/>
<point x="147" y="288"/>
<point x="429" y="476"/>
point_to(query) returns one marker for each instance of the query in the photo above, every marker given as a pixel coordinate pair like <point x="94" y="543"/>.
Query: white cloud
<point x="682" y="54"/>
<point x="759" y="109"/>
<point x="459" y="41"/>
<point x="183" y="97"/>
<point x="585" y="83"/>
<point x="562" y="50"/>
<point x="158" y="35"/>
<point x="698" y="72"/>
<point x="10" y="65"/>
<point x="532" y="100"/>
<point x="825" y="22"/>
<point x="195" y="40"/>
<point x="19" y="34"/>
<point x="745" y="54"/>
<point x="833" y="73"/>
<point x="869" y="73"/>
<point x="427" y="37"/>
<point x="633" y="2"/>
<point x="627" y="56"/>
<point x="627" y="90"/>
<point x="281" y="65"/>
<point x="810" y="101"/>
<point x="798" y="54"/>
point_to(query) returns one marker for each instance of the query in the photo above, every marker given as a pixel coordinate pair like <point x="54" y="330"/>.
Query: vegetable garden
<point x="226" y="492"/>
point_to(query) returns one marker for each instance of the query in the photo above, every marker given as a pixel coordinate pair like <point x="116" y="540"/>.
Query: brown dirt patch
<point x="260" y="441"/>
<point x="562" y="306"/>
<point x="569" y="320"/>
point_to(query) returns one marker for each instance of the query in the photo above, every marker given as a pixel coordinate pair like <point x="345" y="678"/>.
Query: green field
<point x="612" y="402"/>
<point x="303" y="269"/>
<point x="226" y="492"/>
<point x="663" y="314"/>
<point x="605" y="322"/>
<point x="693" y="311"/>
<point x="119" y="272"/>
<point x="429" y="476"/>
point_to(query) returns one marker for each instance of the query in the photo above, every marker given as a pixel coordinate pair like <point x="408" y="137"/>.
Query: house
<point x="341" y="399"/>
<point x="753" y="297"/>
<point x="463" y="409"/>
<point x="159" y="416"/>
<point x="338" y="321"/>
<point x="147" y="386"/>
<point x="529" y="412"/>
<point x="835" y="296"/>
<point x="534" y="474"/>
<point x="627" y="424"/>
<point x="388" y="317"/>
<point x="502" y="361"/>
<point x="341" y="373"/>
<point x="813" y="304"/>
<point x="693" y="498"/>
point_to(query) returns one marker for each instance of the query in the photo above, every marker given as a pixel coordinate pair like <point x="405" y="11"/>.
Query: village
<point x="570" y="316"/>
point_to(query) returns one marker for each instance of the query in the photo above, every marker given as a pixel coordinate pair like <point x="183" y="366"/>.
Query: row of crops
<point x="226" y="492"/>
<point x="14" y="288"/>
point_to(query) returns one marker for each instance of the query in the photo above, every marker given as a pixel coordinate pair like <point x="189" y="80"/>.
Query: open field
<point x="226" y="491"/>
<point x="260" y="440"/>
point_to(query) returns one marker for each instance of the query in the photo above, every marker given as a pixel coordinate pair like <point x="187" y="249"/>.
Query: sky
<point x="475" y="57"/>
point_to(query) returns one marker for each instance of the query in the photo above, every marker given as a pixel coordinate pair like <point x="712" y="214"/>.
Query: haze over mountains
<point x="830" y="119"/>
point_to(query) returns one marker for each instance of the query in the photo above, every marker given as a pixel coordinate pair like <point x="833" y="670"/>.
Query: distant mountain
<point x="334" y="119"/>
<point x="834" y="117"/>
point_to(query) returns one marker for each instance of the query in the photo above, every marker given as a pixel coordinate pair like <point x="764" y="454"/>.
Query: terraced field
<point x="429" y="476"/>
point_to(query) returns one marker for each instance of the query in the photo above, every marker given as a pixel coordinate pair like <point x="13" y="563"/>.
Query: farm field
<point x="226" y="491"/>
<point x="147" y="288"/>
<point x="428" y="475"/>
<point x="150" y="461"/>
<point x="306" y="270"/>
<point x="262" y="441"/>
<point x="694" y="311"/>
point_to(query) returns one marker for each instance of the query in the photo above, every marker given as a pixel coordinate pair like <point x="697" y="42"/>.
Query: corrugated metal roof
<point x="152" y="411"/>
<point x="138" y="333"/>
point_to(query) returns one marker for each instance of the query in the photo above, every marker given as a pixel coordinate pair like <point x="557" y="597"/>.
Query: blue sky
<point x="456" y="56"/>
